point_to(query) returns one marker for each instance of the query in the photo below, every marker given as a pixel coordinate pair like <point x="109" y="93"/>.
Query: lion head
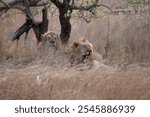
<point x="81" y="49"/>
<point x="51" y="39"/>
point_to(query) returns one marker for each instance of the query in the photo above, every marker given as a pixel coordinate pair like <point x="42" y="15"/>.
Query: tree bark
<point x="64" y="18"/>
<point x="38" y="27"/>
<point x="42" y="27"/>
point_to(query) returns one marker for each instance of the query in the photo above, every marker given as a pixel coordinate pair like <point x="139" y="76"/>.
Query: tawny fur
<point x="50" y="40"/>
<point x="78" y="49"/>
<point x="81" y="51"/>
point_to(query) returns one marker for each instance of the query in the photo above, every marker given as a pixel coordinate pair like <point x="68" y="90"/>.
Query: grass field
<point x="124" y="72"/>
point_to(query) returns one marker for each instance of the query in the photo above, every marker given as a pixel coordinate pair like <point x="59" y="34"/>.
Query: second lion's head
<point x="51" y="39"/>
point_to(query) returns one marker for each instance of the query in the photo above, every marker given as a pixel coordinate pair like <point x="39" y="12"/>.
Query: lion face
<point x="82" y="49"/>
<point x="51" y="39"/>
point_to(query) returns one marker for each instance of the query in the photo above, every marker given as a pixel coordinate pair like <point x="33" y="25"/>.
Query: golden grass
<point x="45" y="82"/>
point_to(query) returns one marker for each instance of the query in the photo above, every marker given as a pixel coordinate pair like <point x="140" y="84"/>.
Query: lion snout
<point x="89" y="53"/>
<point x="52" y="43"/>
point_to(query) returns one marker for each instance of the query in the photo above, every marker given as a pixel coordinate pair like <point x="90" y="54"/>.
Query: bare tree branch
<point x="19" y="4"/>
<point x="24" y="5"/>
<point x="4" y="3"/>
<point x="9" y="5"/>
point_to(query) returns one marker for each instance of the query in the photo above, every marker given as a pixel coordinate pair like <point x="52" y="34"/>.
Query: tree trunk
<point x="64" y="18"/>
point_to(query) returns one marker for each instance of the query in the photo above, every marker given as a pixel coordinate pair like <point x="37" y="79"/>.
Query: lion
<point x="83" y="56"/>
<point x="50" y="40"/>
<point x="81" y="51"/>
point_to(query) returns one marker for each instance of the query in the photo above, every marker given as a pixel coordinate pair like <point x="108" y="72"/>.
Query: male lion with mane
<point x="81" y="51"/>
<point x="82" y="54"/>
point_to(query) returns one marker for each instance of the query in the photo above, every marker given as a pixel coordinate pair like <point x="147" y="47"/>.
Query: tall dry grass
<point x="123" y="40"/>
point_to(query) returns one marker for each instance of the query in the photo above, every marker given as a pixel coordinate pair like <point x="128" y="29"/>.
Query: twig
<point x="4" y="3"/>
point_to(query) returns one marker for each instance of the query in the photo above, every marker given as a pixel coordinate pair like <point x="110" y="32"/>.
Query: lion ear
<point x="83" y="39"/>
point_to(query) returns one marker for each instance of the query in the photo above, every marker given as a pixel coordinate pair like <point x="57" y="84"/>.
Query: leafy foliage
<point x="135" y="2"/>
<point x="138" y="2"/>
